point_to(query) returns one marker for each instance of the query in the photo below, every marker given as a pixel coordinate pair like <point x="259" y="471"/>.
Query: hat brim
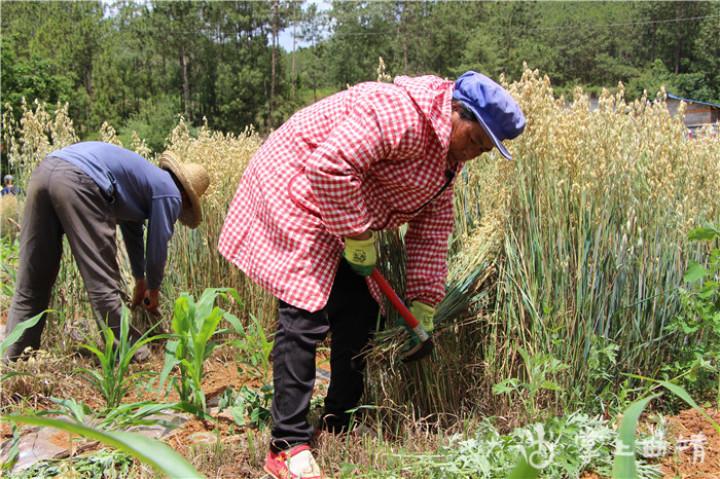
<point x="192" y="216"/>
<point x="498" y="144"/>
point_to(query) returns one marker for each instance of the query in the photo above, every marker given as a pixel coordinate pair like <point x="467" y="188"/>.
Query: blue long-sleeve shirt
<point x="140" y="191"/>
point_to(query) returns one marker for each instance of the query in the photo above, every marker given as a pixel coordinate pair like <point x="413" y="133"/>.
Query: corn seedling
<point x="194" y="325"/>
<point x="113" y="380"/>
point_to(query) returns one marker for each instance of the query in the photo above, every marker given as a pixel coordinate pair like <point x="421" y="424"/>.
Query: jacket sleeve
<point x="375" y="127"/>
<point x="133" y="236"/>
<point x="426" y="243"/>
<point x="164" y="212"/>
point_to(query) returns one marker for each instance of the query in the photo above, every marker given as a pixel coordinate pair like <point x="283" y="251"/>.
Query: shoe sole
<point x="273" y="476"/>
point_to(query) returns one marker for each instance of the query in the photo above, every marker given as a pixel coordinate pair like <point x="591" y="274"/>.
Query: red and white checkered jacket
<point x="371" y="157"/>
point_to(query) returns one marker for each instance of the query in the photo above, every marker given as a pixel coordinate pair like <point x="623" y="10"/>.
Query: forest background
<point x="137" y="65"/>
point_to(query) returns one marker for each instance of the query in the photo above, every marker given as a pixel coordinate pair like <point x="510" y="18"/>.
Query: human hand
<point x="152" y="301"/>
<point x="360" y="253"/>
<point x="425" y="314"/>
<point x="138" y="292"/>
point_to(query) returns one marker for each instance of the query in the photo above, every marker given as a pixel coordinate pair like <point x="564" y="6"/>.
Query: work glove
<point x="425" y="314"/>
<point x="152" y="301"/>
<point x="361" y="254"/>
<point x="138" y="292"/>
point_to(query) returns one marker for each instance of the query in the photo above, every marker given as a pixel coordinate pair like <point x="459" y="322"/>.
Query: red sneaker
<point x="294" y="463"/>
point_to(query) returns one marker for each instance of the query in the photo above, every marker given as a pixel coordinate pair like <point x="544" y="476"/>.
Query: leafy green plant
<point x="254" y="348"/>
<point x="194" y="325"/>
<point x="560" y="447"/>
<point x="119" y="417"/>
<point x="114" y="379"/>
<point x="105" y="464"/>
<point x="541" y="369"/>
<point x="248" y="406"/>
<point x="699" y="319"/>
<point x="149" y="451"/>
<point x="9" y="252"/>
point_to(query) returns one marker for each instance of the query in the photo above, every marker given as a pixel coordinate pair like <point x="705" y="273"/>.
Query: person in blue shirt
<point x="84" y="191"/>
<point x="8" y="187"/>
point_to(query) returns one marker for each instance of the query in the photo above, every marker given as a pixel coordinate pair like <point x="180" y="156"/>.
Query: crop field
<point x="579" y="338"/>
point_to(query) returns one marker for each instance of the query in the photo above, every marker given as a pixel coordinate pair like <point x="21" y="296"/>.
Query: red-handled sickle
<point x="421" y="343"/>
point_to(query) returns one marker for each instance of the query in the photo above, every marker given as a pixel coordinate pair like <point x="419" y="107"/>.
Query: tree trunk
<point x="185" y="82"/>
<point x="274" y="57"/>
<point x="678" y="38"/>
<point x="292" y="66"/>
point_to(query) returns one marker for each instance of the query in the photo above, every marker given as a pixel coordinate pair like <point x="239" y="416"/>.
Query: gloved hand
<point x="361" y="254"/>
<point x="138" y="292"/>
<point x="152" y="301"/>
<point x="423" y="313"/>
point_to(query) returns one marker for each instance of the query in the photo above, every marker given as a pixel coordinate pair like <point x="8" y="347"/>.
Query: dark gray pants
<point x="63" y="199"/>
<point x="350" y="315"/>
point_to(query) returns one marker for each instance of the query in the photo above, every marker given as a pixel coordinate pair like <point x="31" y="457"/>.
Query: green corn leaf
<point x="234" y="322"/>
<point x="149" y="451"/>
<point x="204" y="306"/>
<point x="18" y="331"/>
<point x="680" y="392"/>
<point x="624" y="466"/>
<point x="170" y="362"/>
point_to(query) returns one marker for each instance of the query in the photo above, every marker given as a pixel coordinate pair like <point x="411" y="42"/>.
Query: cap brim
<point x="498" y="144"/>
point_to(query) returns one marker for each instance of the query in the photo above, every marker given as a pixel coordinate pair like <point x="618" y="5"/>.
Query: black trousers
<point x="350" y="315"/>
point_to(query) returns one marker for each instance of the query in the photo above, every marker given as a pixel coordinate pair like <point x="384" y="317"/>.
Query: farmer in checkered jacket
<point x="304" y="219"/>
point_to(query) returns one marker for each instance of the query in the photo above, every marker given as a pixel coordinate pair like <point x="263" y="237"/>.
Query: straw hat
<point x="194" y="180"/>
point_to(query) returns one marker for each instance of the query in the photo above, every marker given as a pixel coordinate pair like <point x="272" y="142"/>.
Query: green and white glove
<point x="425" y="314"/>
<point x="361" y="254"/>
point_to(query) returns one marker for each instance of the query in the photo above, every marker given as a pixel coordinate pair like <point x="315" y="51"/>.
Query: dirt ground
<point x="694" y="456"/>
<point x="239" y="452"/>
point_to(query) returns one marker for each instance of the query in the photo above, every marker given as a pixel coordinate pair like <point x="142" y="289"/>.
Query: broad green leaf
<point x="695" y="272"/>
<point x="234" y="322"/>
<point x="551" y="386"/>
<point x="523" y="470"/>
<point x="170" y="363"/>
<point x="18" y="331"/>
<point x="505" y="386"/>
<point x="703" y="234"/>
<point x="680" y="392"/>
<point x="149" y="451"/>
<point x="624" y="466"/>
<point x="204" y="306"/>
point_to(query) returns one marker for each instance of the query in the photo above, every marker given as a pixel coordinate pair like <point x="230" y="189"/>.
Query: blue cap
<point x="494" y="108"/>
